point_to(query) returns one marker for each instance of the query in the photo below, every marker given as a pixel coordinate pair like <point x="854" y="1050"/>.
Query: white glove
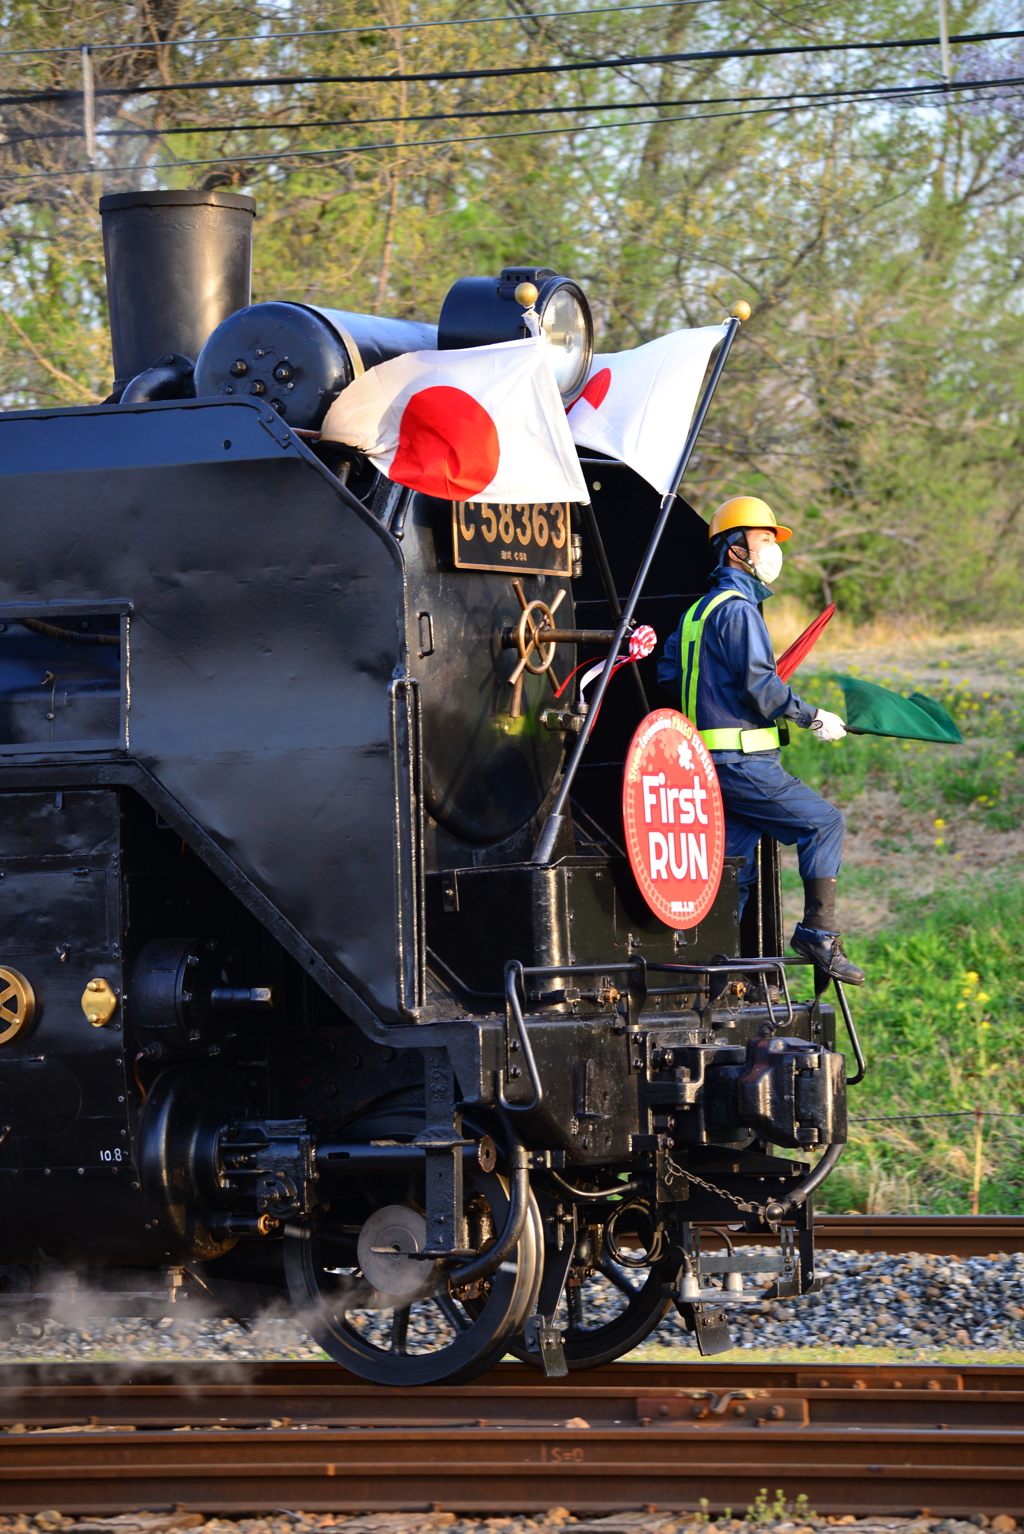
<point x="827" y="726"/>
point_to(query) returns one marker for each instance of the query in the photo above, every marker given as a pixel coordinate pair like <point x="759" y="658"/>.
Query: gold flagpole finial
<point x="740" y="310"/>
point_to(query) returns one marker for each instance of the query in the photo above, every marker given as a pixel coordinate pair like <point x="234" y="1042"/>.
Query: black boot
<point x="826" y="952"/>
<point x="820" y="905"/>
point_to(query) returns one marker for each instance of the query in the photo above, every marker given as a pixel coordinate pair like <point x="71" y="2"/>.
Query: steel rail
<point x="857" y="1439"/>
<point x="941" y="1235"/>
<point x="961" y="1236"/>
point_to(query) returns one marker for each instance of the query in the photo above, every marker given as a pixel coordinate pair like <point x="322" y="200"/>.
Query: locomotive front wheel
<point x="590" y="1335"/>
<point x="423" y="1331"/>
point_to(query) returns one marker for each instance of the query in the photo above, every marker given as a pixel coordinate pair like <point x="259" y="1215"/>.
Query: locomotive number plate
<point x="531" y="539"/>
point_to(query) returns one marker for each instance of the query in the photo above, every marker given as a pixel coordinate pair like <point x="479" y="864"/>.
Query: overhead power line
<point x="505" y="71"/>
<point x="821" y="98"/>
<point x="956" y="1113"/>
<point x="882" y="94"/>
<point x="401" y="26"/>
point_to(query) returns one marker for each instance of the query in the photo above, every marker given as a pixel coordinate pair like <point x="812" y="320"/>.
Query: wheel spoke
<point x="574" y="1306"/>
<point x="451" y="1312"/>
<point x="615" y="1275"/>
<point x="400" y="1329"/>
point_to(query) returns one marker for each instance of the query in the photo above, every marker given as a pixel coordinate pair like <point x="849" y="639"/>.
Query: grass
<point x="662" y="1353"/>
<point x="984" y="776"/>
<point x="935" y="870"/>
<point x="940" y="1024"/>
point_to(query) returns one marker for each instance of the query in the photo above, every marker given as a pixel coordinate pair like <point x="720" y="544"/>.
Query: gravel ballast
<point x="649" y="1521"/>
<point x="905" y="1301"/>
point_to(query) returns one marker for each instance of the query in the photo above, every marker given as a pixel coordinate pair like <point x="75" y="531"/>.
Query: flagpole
<point x="608" y="582"/>
<point x="548" y="837"/>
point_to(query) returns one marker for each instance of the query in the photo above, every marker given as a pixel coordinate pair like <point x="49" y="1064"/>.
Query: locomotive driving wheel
<point x="391" y="1317"/>
<point x="421" y="1330"/>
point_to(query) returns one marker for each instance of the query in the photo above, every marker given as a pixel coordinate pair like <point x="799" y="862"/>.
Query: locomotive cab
<point x="290" y="1002"/>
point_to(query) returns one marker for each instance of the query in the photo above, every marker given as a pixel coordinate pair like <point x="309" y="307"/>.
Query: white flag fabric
<point x="485" y="423"/>
<point x="637" y="405"/>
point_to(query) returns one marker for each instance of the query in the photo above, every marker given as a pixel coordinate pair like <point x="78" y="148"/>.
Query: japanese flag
<point x="483" y="424"/>
<point x="636" y="406"/>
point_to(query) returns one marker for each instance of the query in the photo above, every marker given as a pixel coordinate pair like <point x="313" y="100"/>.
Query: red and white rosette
<point x="641" y="642"/>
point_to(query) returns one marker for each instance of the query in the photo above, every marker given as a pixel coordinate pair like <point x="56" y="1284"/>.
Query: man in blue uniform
<point x="720" y="664"/>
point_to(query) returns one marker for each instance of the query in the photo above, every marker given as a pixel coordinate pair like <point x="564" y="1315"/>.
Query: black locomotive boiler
<point x="288" y="1004"/>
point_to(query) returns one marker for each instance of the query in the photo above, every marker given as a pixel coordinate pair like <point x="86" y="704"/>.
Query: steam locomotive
<point x="288" y="1003"/>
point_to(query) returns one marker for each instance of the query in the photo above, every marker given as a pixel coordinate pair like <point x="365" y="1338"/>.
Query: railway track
<point x="90" y="1439"/>
<point x="944" y="1235"/>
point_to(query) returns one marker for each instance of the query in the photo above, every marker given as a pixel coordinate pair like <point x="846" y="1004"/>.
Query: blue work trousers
<point x="762" y="799"/>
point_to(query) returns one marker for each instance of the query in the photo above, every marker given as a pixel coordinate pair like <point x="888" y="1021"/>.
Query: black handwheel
<point x="396" y="1320"/>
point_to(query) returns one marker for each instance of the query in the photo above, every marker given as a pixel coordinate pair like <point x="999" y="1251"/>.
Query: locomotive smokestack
<point x="178" y="263"/>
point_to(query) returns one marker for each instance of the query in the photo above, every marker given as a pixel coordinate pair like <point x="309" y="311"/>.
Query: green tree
<point x="875" y="394"/>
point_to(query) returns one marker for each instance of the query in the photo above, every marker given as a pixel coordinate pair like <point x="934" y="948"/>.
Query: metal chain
<point x="741" y="1203"/>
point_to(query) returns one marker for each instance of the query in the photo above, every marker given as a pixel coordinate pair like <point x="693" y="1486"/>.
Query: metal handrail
<point x="514" y="972"/>
<point x="858" y="1053"/>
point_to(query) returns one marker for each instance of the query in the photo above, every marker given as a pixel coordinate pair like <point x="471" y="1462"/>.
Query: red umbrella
<point x="798" y="651"/>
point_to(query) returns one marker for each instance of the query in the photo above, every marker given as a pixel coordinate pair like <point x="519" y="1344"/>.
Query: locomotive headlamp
<point x="479" y="311"/>
<point x="568" y="329"/>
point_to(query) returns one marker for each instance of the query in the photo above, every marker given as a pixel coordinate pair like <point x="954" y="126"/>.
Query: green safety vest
<point x="691" y="638"/>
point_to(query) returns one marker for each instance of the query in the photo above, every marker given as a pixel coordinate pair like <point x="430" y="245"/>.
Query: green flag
<point x="874" y="710"/>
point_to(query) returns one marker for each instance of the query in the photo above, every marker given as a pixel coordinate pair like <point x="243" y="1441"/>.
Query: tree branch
<point x="93" y="399"/>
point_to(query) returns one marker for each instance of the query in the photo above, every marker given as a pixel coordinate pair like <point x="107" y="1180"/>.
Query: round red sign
<point x="674" y="819"/>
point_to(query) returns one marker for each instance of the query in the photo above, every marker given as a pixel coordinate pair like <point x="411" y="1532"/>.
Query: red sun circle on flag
<point x="674" y="819"/>
<point x="447" y="445"/>
<point x="594" y="391"/>
<point x="597" y="387"/>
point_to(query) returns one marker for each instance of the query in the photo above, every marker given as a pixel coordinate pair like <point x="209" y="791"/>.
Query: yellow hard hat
<point x="746" y="511"/>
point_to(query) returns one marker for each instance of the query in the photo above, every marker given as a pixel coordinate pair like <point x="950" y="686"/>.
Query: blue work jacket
<point x="738" y="686"/>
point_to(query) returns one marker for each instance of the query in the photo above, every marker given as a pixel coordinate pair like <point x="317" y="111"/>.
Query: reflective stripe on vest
<point x="691" y="637"/>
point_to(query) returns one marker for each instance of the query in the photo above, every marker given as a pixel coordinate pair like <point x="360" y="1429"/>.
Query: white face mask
<point x="766" y="563"/>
